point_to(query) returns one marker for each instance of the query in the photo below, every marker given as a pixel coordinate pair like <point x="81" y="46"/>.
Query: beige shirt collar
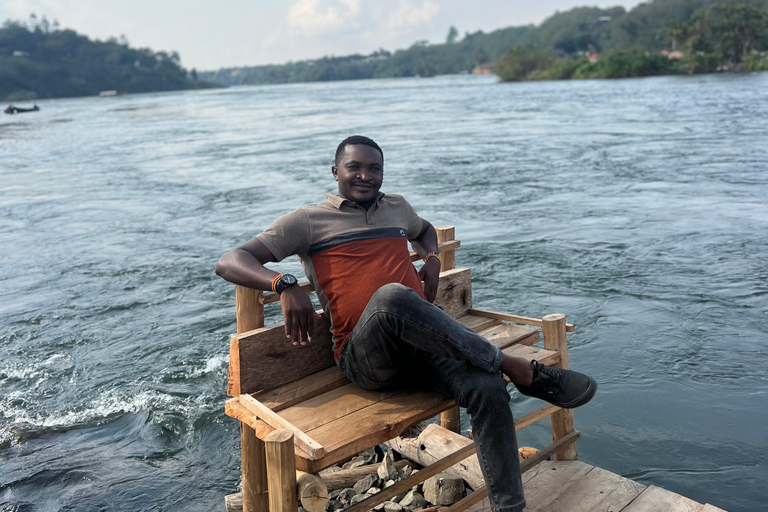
<point x="337" y="200"/>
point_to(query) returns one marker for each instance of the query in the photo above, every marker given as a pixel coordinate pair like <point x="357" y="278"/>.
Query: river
<point x="637" y="207"/>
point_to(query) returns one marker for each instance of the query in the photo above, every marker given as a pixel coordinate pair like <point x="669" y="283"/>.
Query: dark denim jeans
<point x="402" y="340"/>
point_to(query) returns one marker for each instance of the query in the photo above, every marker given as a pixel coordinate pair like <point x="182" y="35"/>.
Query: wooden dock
<point x="574" y="486"/>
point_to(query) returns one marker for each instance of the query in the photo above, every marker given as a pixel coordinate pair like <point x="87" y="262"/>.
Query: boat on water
<point x="12" y="109"/>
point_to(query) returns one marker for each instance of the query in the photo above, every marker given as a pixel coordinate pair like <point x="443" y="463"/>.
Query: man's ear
<point x="335" y="172"/>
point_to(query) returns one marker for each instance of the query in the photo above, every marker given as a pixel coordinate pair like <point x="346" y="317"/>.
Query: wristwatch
<point x="284" y="282"/>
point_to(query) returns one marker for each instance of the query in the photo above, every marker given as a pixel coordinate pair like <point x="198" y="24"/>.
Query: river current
<point x="637" y="207"/>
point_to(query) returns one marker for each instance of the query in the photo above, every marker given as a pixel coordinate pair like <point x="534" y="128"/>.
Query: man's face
<point x="359" y="173"/>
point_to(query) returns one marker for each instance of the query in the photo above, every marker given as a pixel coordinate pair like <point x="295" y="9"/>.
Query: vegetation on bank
<point x="728" y="36"/>
<point x="614" y="32"/>
<point x="37" y="60"/>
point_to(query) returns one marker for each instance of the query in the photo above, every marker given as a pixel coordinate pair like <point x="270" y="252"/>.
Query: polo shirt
<point x="348" y="253"/>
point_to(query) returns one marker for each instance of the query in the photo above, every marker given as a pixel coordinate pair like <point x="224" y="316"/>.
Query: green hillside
<point x="570" y="33"/>
<point x="37" y="61"/>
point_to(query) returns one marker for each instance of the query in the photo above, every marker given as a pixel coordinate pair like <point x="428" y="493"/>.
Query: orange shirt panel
<point x="350" y="274"/>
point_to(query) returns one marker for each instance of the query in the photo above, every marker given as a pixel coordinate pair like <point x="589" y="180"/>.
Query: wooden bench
<point x="299" y="412"/>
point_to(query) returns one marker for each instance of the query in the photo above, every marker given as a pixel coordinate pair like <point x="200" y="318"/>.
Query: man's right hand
<point x="299" y="315"/>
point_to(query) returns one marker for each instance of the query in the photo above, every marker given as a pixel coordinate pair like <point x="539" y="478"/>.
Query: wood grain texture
<point x="313" y="493"/>
<point x="505" y="335"/>
<point x="547" y="357"/>
<point x="266" y="359"/>
<point x="447" y="256"/>
<point x="254" y="471"/>
<point x="553" y="329"/>
<point x="477" y="323"/>
<point x="281" y="471"/>
<point x="655" y="499"/>
<point x="525" y="320"/>
<point x="546" y="481"/>
<point x="303" y="389"/>
<point x="332" y="406"/>
<point x="533" y="417"/>
<point x="451" y="419"/>
<point x="249" y="310"/>
<point x="454" y="291"/>
<point x="276" y="421"/>
<point x="599" y="491"/>
<point x="377" y="423"/>
<point x="435" y="443"/>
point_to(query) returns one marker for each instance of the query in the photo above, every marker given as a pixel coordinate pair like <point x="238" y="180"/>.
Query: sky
<point x="229" y="33"/>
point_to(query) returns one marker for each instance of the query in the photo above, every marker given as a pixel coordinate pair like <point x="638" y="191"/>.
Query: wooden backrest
<point x="262" y="358"/>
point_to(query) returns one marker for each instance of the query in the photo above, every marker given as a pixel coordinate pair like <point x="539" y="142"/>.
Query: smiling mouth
<point x="362" y="185"/>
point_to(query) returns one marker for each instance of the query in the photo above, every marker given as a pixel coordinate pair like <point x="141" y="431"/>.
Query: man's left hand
<point x="430" y="274"/>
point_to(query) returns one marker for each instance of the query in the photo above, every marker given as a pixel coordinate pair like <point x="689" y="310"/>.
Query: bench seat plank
<point x="303" y="389"/>
<point x="478" y="323"/>
<point x="505" y="335"/>
<point x="378" y="422"/>
<point x="332" y="405"/>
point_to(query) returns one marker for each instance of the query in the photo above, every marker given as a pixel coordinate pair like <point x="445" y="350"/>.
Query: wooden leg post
<point x="553" y="328"/>
<point x="450" y="419"/>
<point x="281" y="471"/>
<point x="254" y="471"/>
<point x="250" y="315"/>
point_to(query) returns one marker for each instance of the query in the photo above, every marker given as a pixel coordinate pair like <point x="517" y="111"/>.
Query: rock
<point x="357" y="499"/>
<point x="365" y="483"/>
<point x="335" y="494"/>
<point x="346" y="495"/>
<point x="372" y="491"/>
<point x="387" y="469"/>
<point x="443" y="490"/>
<point x="388" y="483"/>
<point x="328" y="471"/>
<point x="390" y="506"/>
<point x="368" y="455"/>
<point x="413" y="500"/>
<point x="356" y="462"/>
<point x="407" y="470"/>
<point x="334" y="505"/>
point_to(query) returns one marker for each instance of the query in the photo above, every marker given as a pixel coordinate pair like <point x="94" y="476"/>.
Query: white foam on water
<point x="211" y="365"/>
<point x="109" y="404"/>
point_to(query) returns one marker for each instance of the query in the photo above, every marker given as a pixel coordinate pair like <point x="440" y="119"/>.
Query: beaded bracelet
<point x="432" y="255"/>
<point x="275" y="280"/>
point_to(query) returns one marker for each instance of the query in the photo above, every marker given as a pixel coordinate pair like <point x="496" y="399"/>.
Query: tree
<point x="736" y="28"/>
<point x="453" y="34"/>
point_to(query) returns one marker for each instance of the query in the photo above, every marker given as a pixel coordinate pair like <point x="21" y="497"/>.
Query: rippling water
<point x="637" y="207"/>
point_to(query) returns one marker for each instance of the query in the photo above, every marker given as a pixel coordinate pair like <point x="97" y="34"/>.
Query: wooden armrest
<point x="536" y="322"/>
<point x="274" y="420"/>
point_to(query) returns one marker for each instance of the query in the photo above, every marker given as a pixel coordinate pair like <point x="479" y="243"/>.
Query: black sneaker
<point x="563" y="388"/>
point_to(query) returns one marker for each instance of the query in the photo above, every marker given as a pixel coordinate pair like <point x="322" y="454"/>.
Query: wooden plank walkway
<point x="573" y="486"/>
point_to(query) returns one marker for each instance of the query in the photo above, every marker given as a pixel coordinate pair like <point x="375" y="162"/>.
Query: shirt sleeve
<point x="288" y="235"/>
<point x="415" y="223"/>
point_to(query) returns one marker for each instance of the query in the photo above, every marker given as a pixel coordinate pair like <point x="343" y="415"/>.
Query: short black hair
<point x="357" y="139"/>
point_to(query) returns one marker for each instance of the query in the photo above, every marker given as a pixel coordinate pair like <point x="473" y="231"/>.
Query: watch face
<point x="289" y="280"/>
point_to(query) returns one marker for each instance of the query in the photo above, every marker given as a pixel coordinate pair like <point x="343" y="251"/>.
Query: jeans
<point x="403" y="340"/>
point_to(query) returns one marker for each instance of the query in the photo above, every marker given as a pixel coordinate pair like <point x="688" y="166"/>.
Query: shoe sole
<point x="583" y="399"/>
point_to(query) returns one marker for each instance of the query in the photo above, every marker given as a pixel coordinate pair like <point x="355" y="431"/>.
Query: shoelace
<point x="548" y="378"/>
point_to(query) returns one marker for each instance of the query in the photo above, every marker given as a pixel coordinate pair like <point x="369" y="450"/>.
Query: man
<point x="354" y="250"/>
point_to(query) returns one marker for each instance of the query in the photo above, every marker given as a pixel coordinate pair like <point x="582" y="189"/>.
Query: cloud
<point x="407" y="15"/>
<point x="315" y="17"/>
